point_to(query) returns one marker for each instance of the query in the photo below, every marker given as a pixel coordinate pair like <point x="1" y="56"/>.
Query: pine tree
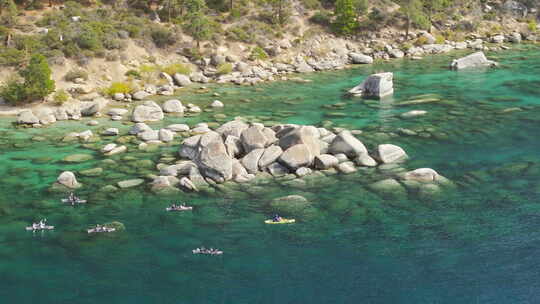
<point x="37" y="78"/>
<point x="197" y="23"/>
<point x="346" y="15"/>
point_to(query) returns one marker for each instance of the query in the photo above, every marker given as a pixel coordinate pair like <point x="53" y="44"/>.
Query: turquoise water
<point x="477" y="243"/>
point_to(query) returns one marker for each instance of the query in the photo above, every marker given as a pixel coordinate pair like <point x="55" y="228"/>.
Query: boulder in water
<point x="474" y="60"/>
<point x="173" y="106"/>
<point x="27" y="117"/>
<point x="297" y="156"/>
<point x="377" y="85"/>
<point x="347" y="144"/>
<point x="388" y="153"/>
<point x="149" y="111"/>
<point x="68" y="179"/>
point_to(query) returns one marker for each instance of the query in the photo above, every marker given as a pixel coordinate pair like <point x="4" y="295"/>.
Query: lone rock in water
<point x="474" y="60"/>
<point x="376" y="85"/>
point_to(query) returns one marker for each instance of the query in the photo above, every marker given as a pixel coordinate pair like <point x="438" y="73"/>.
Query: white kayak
<point x="101" y="230"/>
<point x="180" y="208"/>
<point x="37" y="228"/>
<point x="207" y="251"/>
<point x="77" y="201"/>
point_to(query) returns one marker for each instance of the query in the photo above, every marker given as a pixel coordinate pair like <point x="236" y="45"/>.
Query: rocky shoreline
<point x="344" y="54"/>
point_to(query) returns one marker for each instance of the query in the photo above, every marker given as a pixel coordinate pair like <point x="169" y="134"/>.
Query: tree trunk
<point x="408" y="26"/>
<point x="231" y="5"/>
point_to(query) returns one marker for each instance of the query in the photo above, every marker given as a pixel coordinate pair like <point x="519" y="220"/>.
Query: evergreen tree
<point x="413" y="11"/>
<point x="280" y="11"/>
<point x="37" y="78"/>
<point x="197" y="23"/>
<point x="346" y="16"/>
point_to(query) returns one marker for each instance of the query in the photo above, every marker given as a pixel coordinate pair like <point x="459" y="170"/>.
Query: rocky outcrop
<point x="27" y="117"/>
<point x="390" y="154"/>
<point x="297" y="156"/>
<point x="68" y="179"/>
<point x="347" y="144"/>
<point x="474" y="60"/>
<point x="376" y="85"/>
<point x="149" y="111"/>
<point x="173" y="106"/>
<point x="357" y="58"/>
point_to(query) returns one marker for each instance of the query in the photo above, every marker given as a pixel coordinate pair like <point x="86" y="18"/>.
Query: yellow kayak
<point x="283" y="221"/>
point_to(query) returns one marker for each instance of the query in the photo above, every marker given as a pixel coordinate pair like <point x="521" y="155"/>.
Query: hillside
<point x="92" y="45"/>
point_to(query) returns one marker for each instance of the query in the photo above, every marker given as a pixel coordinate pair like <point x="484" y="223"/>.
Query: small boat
<point x="179" y="208"/>
<point x="282" y="221"/>
<point x="101" y="229"/>
<point x="210" y="251"/>
<point x="74" y="202"/>
<point x="39" y="226"/>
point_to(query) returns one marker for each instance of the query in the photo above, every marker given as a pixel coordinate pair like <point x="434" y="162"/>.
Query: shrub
<point x="13" y="92"/>
<point x="421" y="41"/>
<point x="531" y="25"/>
<point x="322" y="18"/>
<point x="258" y="53"/>
<point x="11" y="57"/>
<point x="119" y="87"/>
<point x="239" y="34"/>
<point x="133" y="73"/>
<point x="224" y="68"/>
<point x="174" y="68"/>
<point x="89" y="39"/>
<point x="439" y="39"/>
<point x="76" y="73"/>
<point x="161" y="36"/>
<point x="60" y="97"/>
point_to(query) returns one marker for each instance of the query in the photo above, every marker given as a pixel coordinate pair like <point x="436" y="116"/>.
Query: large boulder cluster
<point x="238" y="151"/>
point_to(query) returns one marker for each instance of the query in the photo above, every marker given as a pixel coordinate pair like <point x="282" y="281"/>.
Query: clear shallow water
<point x="477" y="244"/>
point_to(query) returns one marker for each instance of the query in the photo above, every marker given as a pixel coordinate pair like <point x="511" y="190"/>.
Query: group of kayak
<point x="73" y="200"/>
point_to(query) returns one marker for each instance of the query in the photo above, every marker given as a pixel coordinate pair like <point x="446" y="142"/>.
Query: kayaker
<point x="276" y="218"/>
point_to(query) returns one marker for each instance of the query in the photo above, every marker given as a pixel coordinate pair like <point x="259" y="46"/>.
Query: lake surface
<point x="476" y="243"/>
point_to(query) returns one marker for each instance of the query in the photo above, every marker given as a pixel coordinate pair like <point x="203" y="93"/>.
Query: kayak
<point x="77" y="201"/>
<point x="104" y="229"/>
<point x="283" y="221"/>
<point x="179" y="209"/>
<point x="30" y="228"/>
<point x="207" y="252"/>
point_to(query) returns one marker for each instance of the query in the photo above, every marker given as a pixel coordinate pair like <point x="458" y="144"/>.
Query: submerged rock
<point x="130" y="183"/>
<point x="77" y="158"/>
<point x="388" y="187"/>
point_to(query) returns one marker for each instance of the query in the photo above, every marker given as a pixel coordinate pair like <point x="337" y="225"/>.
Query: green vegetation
<point x="174" y="68"/>
<point x="119" y="87"/>
<point x="346" y="15"/>
<point x="76" y="73"/>
<point x="224" y="68"/>
<point x="531" y="25"/>
<point x="60" y="97"/>
<point x="258" y="54"/>
<point x="36" y="85"/>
